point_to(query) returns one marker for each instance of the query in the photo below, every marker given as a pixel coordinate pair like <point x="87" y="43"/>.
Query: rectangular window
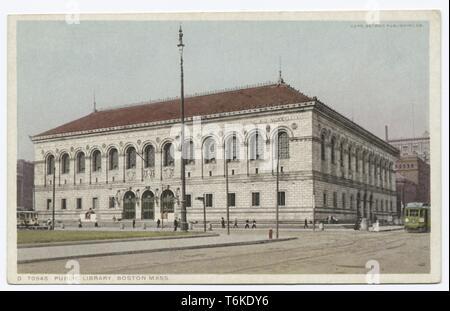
<point x="335" y="199"/>
<point x="343" y="200"/>
<point x="325" y="199"/>
<point x="112" y="202"/>
<point x="255" y="198"/>
<point x="232" y="199"/>
<point x="209" y="200"/>
<point x="63" y="204"/>
<point x="281" y="198"/>
<point x="79" y="203"/>
<point x="49" y="204"/>
<point x="94" y="203"/>
<point x="188" y="202"/>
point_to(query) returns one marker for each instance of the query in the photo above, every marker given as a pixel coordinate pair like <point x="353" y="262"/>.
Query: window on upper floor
<point x="209" y="150"/>
<point x="168" y="155"/>
<point x="232" y="148"/>
<point x="282" y="145"/>
<point x="65" y="163"/>
<point x="50" y="165"/>
<point x="149" y="156"/>
<point x="256" y="145"/>
<point x="113" y="159"/>
<point x="188" y="152"/>
<point x="322" y="147"/>
<point x="96" y="161"/>
<point x="131" y="158"/>
<point x="81" y="161"/>
<point x="333" y="153"/>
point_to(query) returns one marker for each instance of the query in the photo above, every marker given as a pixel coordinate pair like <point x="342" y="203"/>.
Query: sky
<point x="376" y="76"/>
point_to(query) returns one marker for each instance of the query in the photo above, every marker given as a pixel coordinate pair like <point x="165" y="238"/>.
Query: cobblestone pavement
<point x="343" y="252"/>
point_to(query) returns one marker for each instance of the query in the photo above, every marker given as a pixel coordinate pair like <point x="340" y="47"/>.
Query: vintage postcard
<point x="224" y="148"/>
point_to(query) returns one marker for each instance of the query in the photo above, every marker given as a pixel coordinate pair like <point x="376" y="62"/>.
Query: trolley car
<point x="417" y="217"/>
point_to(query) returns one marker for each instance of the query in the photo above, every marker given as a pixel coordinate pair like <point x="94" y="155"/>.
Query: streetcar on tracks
<point x="417" y="217"/>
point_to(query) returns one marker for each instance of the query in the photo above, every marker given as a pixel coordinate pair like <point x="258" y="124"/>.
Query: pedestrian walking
<point x="235" y="223"/>
<point x="175" y="225"/>
<point x="158" y="223"/>
<point x="247" y="224"/>
<point x="134" y="223"/>
<point x="306" y="224"/>
<point x="254" y="224"/>
<point x="79" y="223"/>
<point x="223" y="223"/>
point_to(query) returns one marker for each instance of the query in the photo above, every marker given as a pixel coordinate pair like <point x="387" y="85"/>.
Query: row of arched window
<point x="256" y="152"/>
<point x="377" y="166"/>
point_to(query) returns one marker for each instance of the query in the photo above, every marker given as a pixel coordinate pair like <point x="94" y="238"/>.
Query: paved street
<point x="320" y="252"/>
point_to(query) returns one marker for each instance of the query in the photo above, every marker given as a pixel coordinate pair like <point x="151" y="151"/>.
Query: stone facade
<point x="361" y="184"/>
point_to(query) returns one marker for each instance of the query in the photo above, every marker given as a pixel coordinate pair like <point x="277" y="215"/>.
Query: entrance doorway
<point x="167" y="203"/>
<point x="129" y="205"/>
<point x="148" y="205"/>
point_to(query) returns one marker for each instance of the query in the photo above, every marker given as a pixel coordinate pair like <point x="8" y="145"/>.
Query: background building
<point x="413" y="173"/>
<point x="25" y="180"/>
<point x="124" y="163"/>
<point x="416" y="146"/>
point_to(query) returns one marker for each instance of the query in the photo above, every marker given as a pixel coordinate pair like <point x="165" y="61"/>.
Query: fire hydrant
<point x="270" y="233"/>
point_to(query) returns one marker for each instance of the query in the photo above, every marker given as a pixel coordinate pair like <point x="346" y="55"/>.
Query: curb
<point x="156" y="250"/>
<point x="47" y="244"/>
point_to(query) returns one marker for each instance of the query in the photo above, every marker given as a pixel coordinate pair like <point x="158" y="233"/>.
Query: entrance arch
<point x="167" y="203"/>
<point x="148" y="205"/>
<point x="129" y="205"/>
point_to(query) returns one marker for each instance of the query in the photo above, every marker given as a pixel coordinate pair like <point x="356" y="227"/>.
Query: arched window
<point x="188" y="152"/>
<point x="232" y="148"/>
<point x="65" y="163"/>
<point x="149" y="156"/>
<point x="322" y="147"/>
<point x="168" y="155"/>
<point x="282" y="145"/>
<point x="50" y="165"/>
<point x="341" y="154"/>
<point x="96" y="161"/>
<point x="81" y="161"/>
<point x="209" y="150"/>
<point x="131" y="158"/>
<point x="333" y="155"/>
<point x="349" y="158"/>
<point x="113" y="159"/>
<point x="256" y="146"/>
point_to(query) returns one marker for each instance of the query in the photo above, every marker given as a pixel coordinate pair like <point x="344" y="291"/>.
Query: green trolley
<point x="417" y="217"/>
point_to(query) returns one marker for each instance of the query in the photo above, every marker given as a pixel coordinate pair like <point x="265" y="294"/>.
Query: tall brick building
<point x="25" y="180"/>
<point x="413" y="173"/>
<point x="124" y="163"/>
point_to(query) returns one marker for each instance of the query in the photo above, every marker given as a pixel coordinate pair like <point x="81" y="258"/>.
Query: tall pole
<point x="183" y="225"/>
<point x="204" y="212"/>
<point x="278" y="184"/>
<point x="226" y="190"/>
<point x="54" y="195"/>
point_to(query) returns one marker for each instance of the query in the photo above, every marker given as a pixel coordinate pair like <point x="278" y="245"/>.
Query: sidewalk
<point x="65" y="252"/>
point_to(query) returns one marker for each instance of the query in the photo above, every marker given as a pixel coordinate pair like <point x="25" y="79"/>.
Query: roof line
<point x="197" y="94"/>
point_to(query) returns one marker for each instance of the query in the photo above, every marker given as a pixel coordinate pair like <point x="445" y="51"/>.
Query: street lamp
<point x="226" y="190"/>
<point x="184" y="225"/>
<point x="54" y="195"/>
<point x="202" y="199"/>
<point x="278" y="185"/>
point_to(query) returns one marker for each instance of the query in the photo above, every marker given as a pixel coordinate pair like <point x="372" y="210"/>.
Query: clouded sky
<point x="377" y="76"/>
